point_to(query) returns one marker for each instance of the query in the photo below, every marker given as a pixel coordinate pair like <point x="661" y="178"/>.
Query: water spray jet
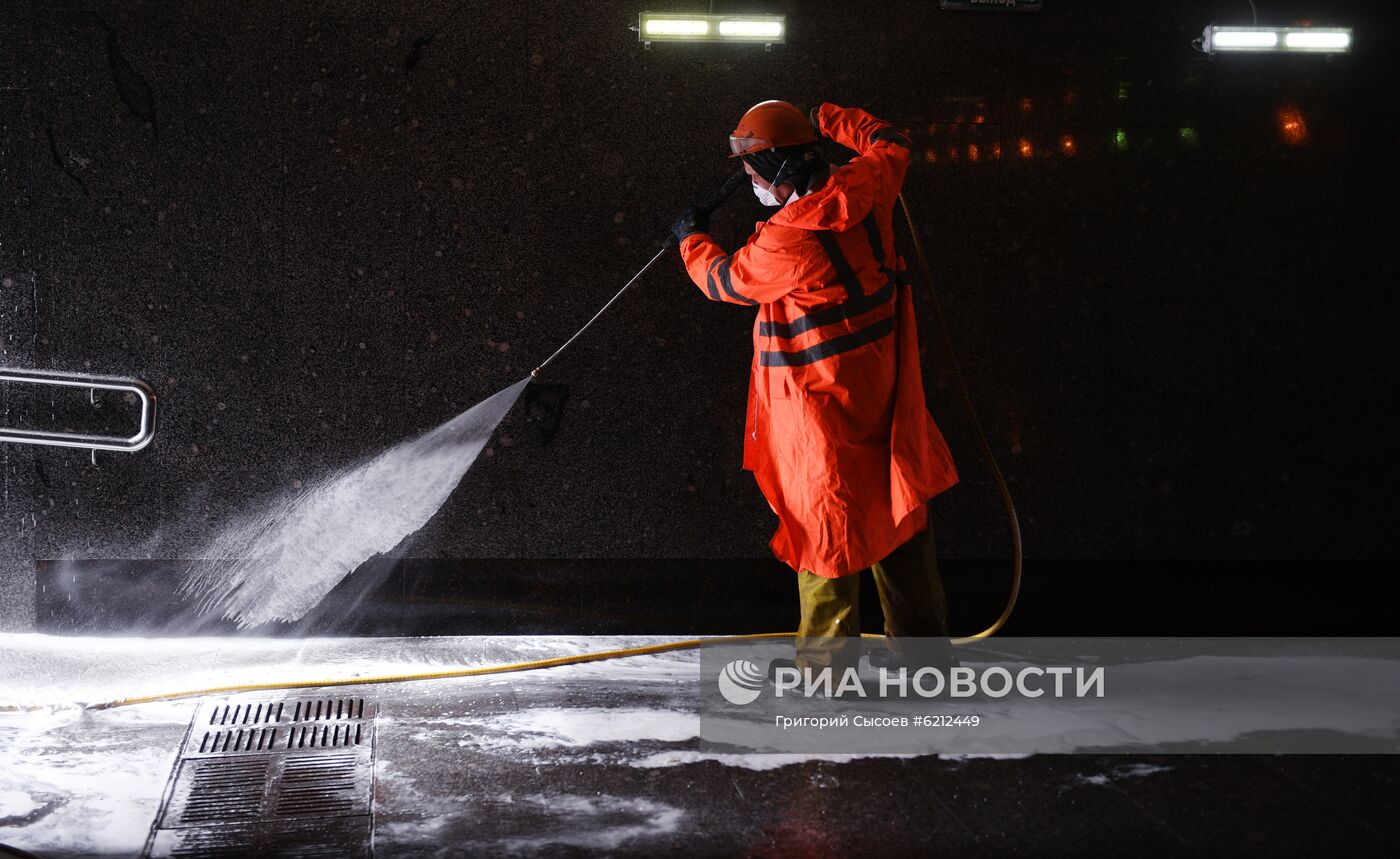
<point x="277" y="565"/>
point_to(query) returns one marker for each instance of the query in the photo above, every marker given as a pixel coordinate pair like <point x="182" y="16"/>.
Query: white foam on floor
<point x="87" y="792"/>
<point x="82" y="781"/>
<point x="39" y="670"/>
<point x="1119" y="773"/>
<point x="600" y="822"/>
<point x="759" y="762"/>
<point x="17" y="803"/>
<point x="1149" y="703"/>
<point x="575" y="727"/>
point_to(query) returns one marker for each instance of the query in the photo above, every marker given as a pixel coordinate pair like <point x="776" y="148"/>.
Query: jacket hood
<point x="841" y="203"/>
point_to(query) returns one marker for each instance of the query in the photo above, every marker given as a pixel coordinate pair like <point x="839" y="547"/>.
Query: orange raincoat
<point x="838" y="435"/>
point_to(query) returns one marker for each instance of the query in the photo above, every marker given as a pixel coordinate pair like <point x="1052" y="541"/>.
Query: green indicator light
<point x="1122" y="90"/>
<point x="1188" y="136"/>
<point x="1120" y="138"/>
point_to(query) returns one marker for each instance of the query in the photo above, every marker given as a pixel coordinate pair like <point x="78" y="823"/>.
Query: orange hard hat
<point x="769" y="124"/>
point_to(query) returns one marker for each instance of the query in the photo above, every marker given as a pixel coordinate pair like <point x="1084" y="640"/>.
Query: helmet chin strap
<point x="809" y="161"/>
<point x="779" y="178"/>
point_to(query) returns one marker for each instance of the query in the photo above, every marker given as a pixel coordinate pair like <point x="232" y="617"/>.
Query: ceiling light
<point x="741" y="29"/>
<point x="1275" y="40"/>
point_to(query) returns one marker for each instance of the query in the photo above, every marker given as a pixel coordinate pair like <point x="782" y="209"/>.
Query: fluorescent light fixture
<point x="1323" y="40"/>
<point x="1243" y="40"/>
<point x="1276" y="40"/>
<point x="750" y="29"/>
<point x="675" y="27"/>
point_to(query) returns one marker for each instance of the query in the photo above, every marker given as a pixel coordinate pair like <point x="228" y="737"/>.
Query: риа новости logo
<point x="741" y="682"/>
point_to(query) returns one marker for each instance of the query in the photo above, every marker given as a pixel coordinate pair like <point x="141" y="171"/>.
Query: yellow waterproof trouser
<point x="911" y="597"/>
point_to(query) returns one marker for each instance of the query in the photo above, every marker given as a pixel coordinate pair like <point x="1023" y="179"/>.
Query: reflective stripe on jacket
<point x="838" y="435"/>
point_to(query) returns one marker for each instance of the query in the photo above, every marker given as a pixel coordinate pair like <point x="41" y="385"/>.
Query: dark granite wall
<point x="319" y="227"/>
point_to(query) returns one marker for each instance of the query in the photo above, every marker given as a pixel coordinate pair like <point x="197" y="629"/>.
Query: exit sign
<point x="991" y="5"/>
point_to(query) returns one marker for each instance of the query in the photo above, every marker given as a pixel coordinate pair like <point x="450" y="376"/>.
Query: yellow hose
<point x="688" y="644"/>
<point x="507" y="668"/>
<point x="981" y="436"/>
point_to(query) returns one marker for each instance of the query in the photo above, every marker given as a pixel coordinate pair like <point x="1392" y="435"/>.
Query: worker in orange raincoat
<point x="838" y="435"/>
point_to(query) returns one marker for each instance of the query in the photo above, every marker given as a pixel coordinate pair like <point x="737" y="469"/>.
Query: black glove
<point x="691" y="221"/>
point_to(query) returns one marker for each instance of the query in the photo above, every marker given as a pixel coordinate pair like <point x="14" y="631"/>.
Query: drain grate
<point x="319" y="787"/>
<point x="291" y="839"/>
<point x="271" y="726"/>
<point x="219" y="791"/>
<point x="287" y="777"/>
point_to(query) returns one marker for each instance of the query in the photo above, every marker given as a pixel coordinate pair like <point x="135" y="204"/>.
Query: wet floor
<point x="606" y="759"/>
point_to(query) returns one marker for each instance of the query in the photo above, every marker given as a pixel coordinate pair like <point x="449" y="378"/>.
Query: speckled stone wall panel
<point x="318" y="228"/>
<point x="18" y="291"/>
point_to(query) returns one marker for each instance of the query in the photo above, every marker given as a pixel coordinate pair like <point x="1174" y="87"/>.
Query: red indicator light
<point x="1292" y="126"/>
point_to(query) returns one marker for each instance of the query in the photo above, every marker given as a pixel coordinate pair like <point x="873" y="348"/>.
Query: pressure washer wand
<point x="716" y="199"/>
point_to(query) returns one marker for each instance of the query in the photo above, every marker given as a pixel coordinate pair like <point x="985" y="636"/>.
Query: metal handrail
<point x="132" y="443"/>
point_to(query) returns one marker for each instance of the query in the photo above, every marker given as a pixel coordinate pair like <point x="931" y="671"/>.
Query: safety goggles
<point x="745" y="145"/>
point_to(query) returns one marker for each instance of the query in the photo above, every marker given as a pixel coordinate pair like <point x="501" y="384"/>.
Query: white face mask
<point x="765" y="195"/>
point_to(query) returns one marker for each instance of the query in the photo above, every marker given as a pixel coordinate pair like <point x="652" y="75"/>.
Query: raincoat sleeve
<point x="855" y="129"/>
<point x="758" y="273"/>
